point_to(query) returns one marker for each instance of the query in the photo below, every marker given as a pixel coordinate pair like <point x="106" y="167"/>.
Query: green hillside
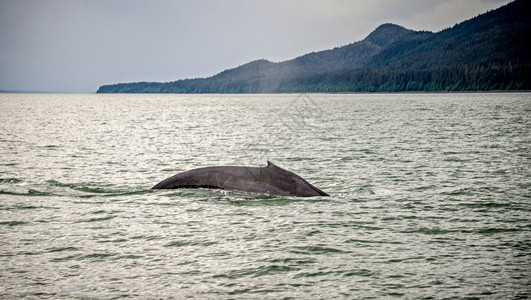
<point x="488" y="52"/>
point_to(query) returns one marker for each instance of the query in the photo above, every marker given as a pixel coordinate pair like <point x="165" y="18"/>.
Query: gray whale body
<point x="272" y="180"/>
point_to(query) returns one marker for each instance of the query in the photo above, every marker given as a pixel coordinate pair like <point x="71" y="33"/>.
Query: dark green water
<point x="430" y="197"/>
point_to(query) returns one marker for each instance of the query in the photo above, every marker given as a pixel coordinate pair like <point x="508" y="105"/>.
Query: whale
<point x="271" y="179"/>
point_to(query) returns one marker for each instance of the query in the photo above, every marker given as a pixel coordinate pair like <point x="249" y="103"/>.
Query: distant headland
<point x="486" y="53"/>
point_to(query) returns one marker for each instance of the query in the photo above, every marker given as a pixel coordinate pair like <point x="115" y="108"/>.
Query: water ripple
<point x="429" y="197"/>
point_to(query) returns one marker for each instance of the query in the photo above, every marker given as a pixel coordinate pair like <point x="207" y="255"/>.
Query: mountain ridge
<point x="487" y="52"/>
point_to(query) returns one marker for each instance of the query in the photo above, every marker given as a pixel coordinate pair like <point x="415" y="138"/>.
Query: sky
<point x="74" y="46"/>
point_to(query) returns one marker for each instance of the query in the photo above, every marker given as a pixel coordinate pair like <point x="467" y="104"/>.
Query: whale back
<point x="291" y="183"/>
<point x="271" y="179"/>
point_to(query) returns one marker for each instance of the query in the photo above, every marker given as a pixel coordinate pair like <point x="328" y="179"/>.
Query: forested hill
<point x="488" y="52"/>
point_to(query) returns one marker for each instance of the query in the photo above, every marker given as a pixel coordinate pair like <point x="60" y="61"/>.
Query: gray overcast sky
<point x="78" y="45"/>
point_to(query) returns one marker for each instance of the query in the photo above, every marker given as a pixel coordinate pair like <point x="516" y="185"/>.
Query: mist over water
<point x="429" y="196"/>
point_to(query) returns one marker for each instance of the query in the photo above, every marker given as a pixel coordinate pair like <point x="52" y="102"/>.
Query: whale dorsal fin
<point x="271" y="164"/>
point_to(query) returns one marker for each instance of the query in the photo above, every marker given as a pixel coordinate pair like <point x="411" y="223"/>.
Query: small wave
<point x="12" y="223"/>
<point x="234" y="197"/>
<point x="256" y="272"/>
<point x="106" y="218"/>
<point x="146" y="237"/>
<point x="316" y="250"/>
<point x="19" y="187"/>
<point x="21" y="207"/>
<point x="360" y="272"/>
<point x="190" y="243"/>
<point x="65" y="258"/>
<point x="488" y="231"/>
<point x="25" y="192"/>
<point x="51" y="147"/>
<point x="97" y="256"/>
<point x="80" y="257"/>
<point x="430" y="231"/>
<point x="61" y="249"/>
<point x="10" y="180"/>
<point x="81" y="187"/>
<point x="262" y="201"/>
<point x="486" y="204"/>
<point x="362" y="241"/>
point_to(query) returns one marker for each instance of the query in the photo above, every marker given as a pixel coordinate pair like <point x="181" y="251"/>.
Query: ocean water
<point x="430" y="197"/>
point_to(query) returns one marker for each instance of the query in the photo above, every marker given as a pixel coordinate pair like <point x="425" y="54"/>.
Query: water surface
<point x="430" y="197"/>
